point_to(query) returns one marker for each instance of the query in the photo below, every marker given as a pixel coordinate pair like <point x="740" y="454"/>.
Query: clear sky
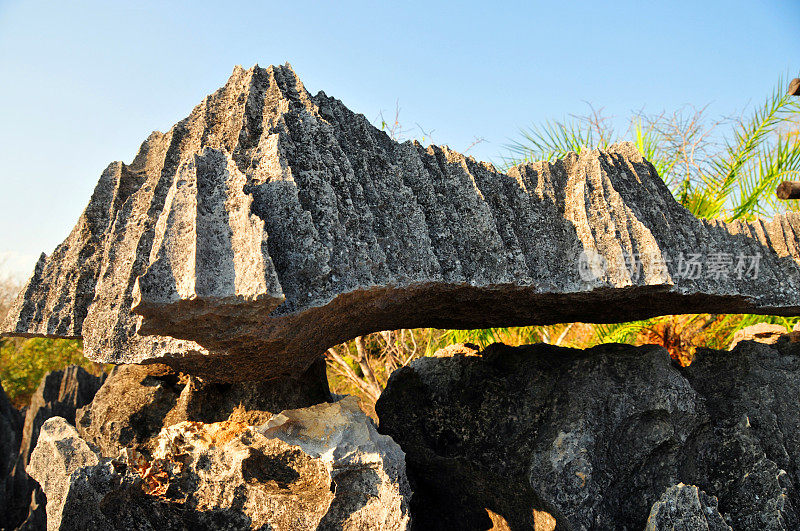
<point x="84" y="83"/>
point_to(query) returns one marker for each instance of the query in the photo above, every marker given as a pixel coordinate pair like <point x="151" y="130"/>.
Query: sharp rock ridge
<point x="271" y="224"/>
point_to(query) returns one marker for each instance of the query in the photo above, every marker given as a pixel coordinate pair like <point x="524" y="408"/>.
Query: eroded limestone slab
<point x="271" y="224"/>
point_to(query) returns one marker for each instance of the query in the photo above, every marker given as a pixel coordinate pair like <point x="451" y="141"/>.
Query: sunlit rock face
<point x="271" y="224"/>
<point x="322" y="467"/>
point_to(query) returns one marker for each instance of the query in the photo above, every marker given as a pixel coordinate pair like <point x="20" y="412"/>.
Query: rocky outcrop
<point x="271" y="224"/>
<point x="751" y="450"/>
<point x="599" y="438"/>
<point x="60" y="394"/>
<point x="137" y="401"/>
<point x="10" y="437"/>
<point x="59" y="453"/>
<point x="368" y="469"/>
<point x="685" y="507"/>
<point x="322" y="468"/>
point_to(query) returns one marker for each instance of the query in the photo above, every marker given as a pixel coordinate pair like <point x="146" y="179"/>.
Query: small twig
<point x="389" y="352"/>
<point x="477" y="140"/>
<point x="413" y="352"/>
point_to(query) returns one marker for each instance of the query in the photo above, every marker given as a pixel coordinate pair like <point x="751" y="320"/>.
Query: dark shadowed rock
<point x="685" y="508"/>
<point x="137" y="401"/>
<point x="10" y="437"/>
<point x="318" y="468"/>
<point x="751" y="452"/>
<point x="581" y="435"/>
<point x="60" y="394"/>
<point x="596" y="437"/>
<point x="271" y="224"/>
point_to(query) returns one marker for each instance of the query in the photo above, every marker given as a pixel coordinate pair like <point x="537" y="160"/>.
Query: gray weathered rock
<point x="10" y="437"/>
<point x="338" y="473"/>
<point x="685" y="508"/>
<point x="367" y="468"/>
<point x="596" y="437"/>
<point x="59" y="452"/>
<point x="271" y="224"/>
<point x="60" y="394"/>
<point x="137" y="401"/>
<point x="247" y="482"/>
<point x="750" y="454"/>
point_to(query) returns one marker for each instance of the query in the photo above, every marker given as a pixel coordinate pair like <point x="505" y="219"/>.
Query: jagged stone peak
<point x="271" y="224"/>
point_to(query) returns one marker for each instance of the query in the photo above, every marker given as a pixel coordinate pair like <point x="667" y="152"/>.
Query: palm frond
<point x="749" y="140"/>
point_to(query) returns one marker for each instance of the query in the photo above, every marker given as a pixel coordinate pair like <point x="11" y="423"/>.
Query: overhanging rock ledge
<point x="271" y="224"/>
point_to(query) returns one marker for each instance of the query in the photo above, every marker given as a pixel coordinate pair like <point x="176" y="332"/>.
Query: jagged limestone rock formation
<point x="60" y="394"/>
<point x="324" y="467"/>
<point x="58" y="453"/>
<point x="271" y="224"/>
<point x="595" y="438"/>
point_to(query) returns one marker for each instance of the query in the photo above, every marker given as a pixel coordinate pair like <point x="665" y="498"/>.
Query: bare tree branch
<point x="344" y="369"/>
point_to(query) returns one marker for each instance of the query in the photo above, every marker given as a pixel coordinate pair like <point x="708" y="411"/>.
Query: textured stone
<point x="58" y="453"/>
<point x="761" y="332"/>
<point x="685" y="508"/>
<point x="271" y="224"/>
<point x="228" y="475"/>
<point x="10" y="437"/>
<point x="368" y="469"/>
<point x="595" y="438"/>
<point x="60" y="394"/>
<point x="137" y="401"/>
<point x="749" y="457"/>
<point x="458" y="349"/>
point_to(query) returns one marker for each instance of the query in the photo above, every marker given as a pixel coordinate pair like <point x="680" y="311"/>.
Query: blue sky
<point x="83" y="83"/>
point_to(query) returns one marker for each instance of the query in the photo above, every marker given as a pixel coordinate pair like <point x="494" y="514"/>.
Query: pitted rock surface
<point x="685" y="508"/>
<point x="11" y="500"/>
<point x="271" y="224"/>
<point x="368" y="469"/>
<point x="60" y="394"/>
<point x="58" y="453"/>
<point x="322" y="468"/>
<point x="596" y="438"/>
<point x="137" y="401"/>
